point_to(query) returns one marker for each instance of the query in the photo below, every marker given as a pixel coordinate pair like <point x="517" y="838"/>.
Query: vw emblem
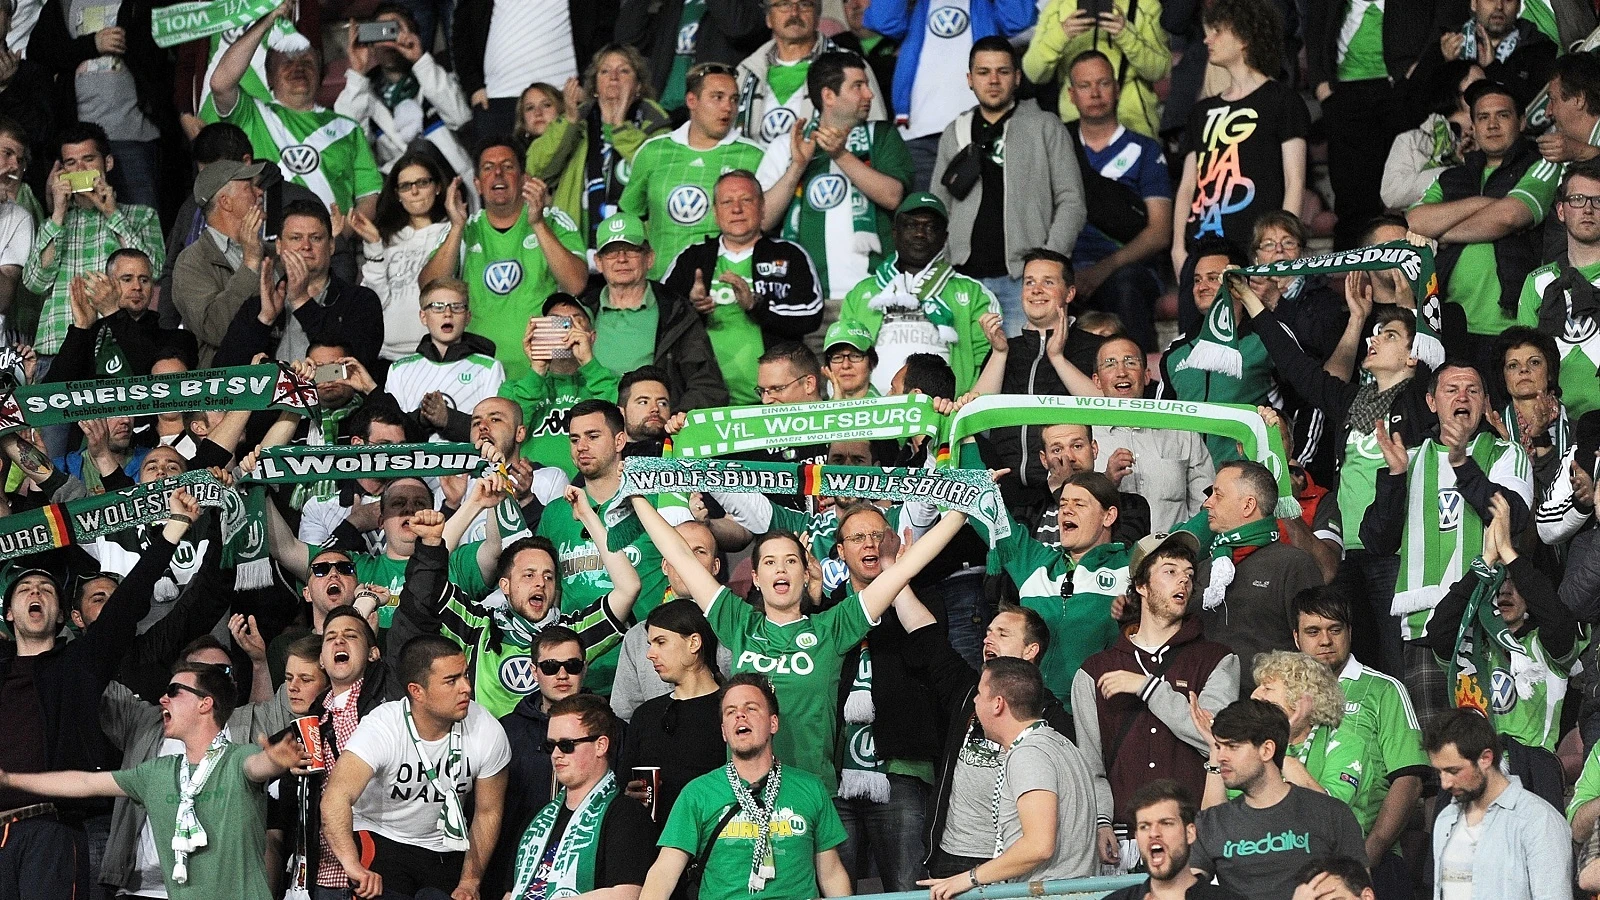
<point x="776" y="123"/>
<point x="301" y="159"/>
<point x="687" y="36"/>
<point x="1450" y="503"/>
<point x="827" y="191"/>
<point x="948" y="21"/>
<point x="687" y="204"/>
<point x="1502" y="692"/>
<point x="503" y="277"/>
<point x="516" y="674"/>
<point x="1578" y="330"/>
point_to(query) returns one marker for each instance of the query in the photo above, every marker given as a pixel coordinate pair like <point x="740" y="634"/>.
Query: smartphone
<point x="272" y="205"/>
<point x="330" y="372"/>
<point x="377" y="32"/>
<point x="83" y="181"/>
<point x="1095" y="7"/>
<point x="549" y="338"/>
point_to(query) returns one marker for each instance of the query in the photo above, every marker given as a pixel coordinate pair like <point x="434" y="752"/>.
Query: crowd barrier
<point x="1067" y="888"/>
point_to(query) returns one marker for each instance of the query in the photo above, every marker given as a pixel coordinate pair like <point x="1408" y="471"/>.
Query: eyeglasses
<point x="552" y="666"/>
<point x="407" y="187"/>
<point x="324" y="569"/>
<point x="619" y="249"/>
<point x="856" y="540"/>
<point x="177" y="687"/>
<point x="704" y="69"/>
<point x="786" y="5"/>
<point x="1127" y="362"/>
<point x="1287" y="245"/>
<point x="439" y="306"/>
<point x="568" y="745"/>
<point x="765" y="392"/>
<point x="849" y="356"/>
<point x="1581" y="201"/>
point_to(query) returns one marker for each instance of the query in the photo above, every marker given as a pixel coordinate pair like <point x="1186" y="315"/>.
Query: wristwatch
<point x="972" y="875"/>
<point x="1213" y="768"/>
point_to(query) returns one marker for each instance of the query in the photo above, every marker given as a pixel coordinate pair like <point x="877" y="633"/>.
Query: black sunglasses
<point x="324" y="569"/>
<point x="552" y="666"/>
<point x="568" y="745"/>
<point x="175" y="688"/>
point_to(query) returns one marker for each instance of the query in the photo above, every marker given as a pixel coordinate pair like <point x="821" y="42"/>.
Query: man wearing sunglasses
<point x="588" y="838"/>
<point x="218" y="809"/>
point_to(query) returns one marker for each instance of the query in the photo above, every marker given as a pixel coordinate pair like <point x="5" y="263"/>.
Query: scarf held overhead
<point x="739" y="429"/>
<point x="1242" y="423"/>
<point x="173" y="25"/>
<point x="80" y="521"/>
<point x="300" y="464"/>
<point x="270" y="386"/>
<point x="1218" y="347"/>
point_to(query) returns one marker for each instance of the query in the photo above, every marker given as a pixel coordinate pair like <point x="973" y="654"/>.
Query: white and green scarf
<point x="1259" y="533"/>
<point x="863" y="776"/>
<point x="899" y="291"/>
<point x="1482" y="630"/>
<point x="763" y="865"/>
<point x="452" y="819"/>
<point x="1442" y="531"/>
<point x="1000" y="782"/>
<point x="740" y="429"/>
<point x="572" y="871"/>
<point x="848" y="217"/>
<point x="188" y="835"/>
<point x="1219" y="348"/>
<point x="174" y="25"/>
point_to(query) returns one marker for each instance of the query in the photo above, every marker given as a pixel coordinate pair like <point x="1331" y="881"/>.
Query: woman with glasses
<point x="410" y="223"/>
<point x="585" y="154"/>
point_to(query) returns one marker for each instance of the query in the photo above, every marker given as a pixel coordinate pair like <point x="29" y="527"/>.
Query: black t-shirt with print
<point x="1238" y="148"/>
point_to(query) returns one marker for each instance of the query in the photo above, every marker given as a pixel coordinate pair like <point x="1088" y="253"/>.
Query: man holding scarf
<point x="835" y="205"/>
<point x="1431" y="506"/>
<point x="218" y="784"/>
<point x="588" y="838"/>
<point x="915" y="302"/>
<point x="729" y="818"/>
<point x="1247" y="603"/>
<point x="1508" y="644"/>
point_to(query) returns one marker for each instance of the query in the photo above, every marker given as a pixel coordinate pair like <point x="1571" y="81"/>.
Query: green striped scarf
<point x="572" y="871"/>
<point x="1471" y="665"/>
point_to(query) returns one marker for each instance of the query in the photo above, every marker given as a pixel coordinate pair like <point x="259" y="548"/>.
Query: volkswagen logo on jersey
<point x="687" y="204"/>
<point x="687" y="36"/>
<point x="1578" y="330"/>
<point x="1449" y="509"/>
<point x="516" y="674"/>
<point x="503" y="277"/>
<point x="948" y="21"/>
<point x="776" y="123"/>
<point x="827" y="191"/>
<point x="301" y="159"/>
<point x="1502" y="692"/>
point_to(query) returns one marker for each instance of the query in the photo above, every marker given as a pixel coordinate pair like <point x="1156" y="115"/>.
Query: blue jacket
<point x="908" y="25"/>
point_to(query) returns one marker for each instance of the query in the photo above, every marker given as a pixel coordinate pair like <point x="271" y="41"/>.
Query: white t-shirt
<point x="16" y="235"/>
<point x="529" y="41"/>
<point x="393" y="803"/>
<point x="939" y="90"/>
<point x="1455" y="869"/>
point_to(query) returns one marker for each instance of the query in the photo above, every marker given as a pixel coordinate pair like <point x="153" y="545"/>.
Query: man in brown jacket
<point x="214" y="275"/>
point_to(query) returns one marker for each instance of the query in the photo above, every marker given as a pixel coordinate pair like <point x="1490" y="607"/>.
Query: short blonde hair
<point x="444" y="283"/>
<point x="1302" y="674"/>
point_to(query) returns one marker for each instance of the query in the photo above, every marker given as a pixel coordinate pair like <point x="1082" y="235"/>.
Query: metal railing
<point x="1077" y="888"/>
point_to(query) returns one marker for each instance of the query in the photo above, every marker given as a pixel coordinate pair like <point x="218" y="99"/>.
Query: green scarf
<point x="863" y="776"/>
<point x="967" y="490"/>
<point x="1481" y="631"/>
<point x="1238" y="422"/>
<point x="1442" y="531"/>
<point x="297" y="464"/>
<point x="269" y="386"/>
<point x="828" y="210"/>
<point x="763" y="865"/>
<point x="1218" y="349"/>
<point x="739" y="429"/>
<point x="188" y="835"/>
<point x="174" y="25"/>
<point x="394" y="93"/>
<point x="441" y="775"/>
<point x="572" y="871"/>
<point x="80" y="521"/>
<point x="248" y="554"/>
<point x="108" y="357"/>
<point x="903" y="291"/>
<point x="1259" y="533"/>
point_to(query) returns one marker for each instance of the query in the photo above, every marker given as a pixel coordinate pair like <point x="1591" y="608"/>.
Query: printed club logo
<point x="687" y="37"/>
<point x="516" y="673"/>
<point x="776" y="123"/>
<point x="826" y="192"/>
<point x="948" y="21"/>
<point x="1223" y="324"/>
<point x="503" y="277"/>
<point x="114" y="365"/>
<point x="806" y="641"/>
<point x="1106" y="580"/>
<point x="687" y="204"/>
<point x="1449" y="509"/>
<point x="301" y="159"/>
<point x="863" y="749"/>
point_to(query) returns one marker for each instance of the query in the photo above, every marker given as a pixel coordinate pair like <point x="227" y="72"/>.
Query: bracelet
<point x="180" y="517"/>
<point x="972" y="875"/>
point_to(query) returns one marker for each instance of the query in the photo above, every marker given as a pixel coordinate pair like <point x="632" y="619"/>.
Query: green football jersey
<point x="389" y="573"/>
<point x="320" y="149"/>
<point x="735" y="337"/>
<point x="671" y="186"/>
<point x="804" y="824"/>
<point x="509" y="280"/>
<point x="1378" y="715"/>
<point x="1578" y="344"/>
<point x="803" y="660"/>
<point x="502" y="669"/>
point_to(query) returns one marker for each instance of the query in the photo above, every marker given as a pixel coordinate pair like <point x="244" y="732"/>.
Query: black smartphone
<point x="1095" y="7"/>
<point x="272" y="223"/>
<point x="377" y="32"/>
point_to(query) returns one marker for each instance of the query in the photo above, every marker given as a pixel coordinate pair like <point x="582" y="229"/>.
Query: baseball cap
<point x="620" y="228"/>
<point x="847" y="332"/>
<point x="217" y="175"/>
<point x="556" y="299"/>
<point x="923" y="200"/>
<point x="1149" y="544"/>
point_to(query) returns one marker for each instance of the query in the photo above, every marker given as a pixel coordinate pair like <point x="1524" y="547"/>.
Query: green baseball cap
<point x="923" y="200"/>
<point x="847" y="332"/>
<point x="620" y="228"/>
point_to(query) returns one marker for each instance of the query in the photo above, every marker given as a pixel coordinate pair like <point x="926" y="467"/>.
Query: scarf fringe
<point x="253" y="575"/>
<point x="1287" y="508"/>
<point x="858" y="784"/>
<point x="1214" y="357"/>
<point x="285" y="39"/>
<point x="1416" y="600"/>
<point x="859" y="709"/>
<point x="867" y="242"/>
<point x="1222" y="572"/>
<point x="1428" y="349"/>
<point x="1527" y="672"/>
